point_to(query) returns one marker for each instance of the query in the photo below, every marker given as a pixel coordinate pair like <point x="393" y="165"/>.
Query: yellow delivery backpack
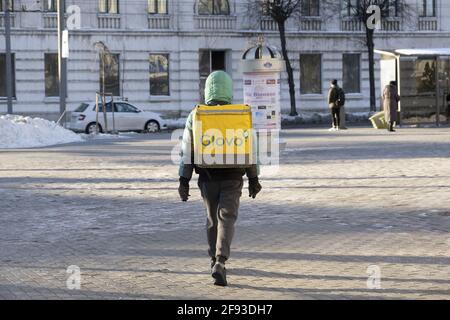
<point x="223" y="136"/>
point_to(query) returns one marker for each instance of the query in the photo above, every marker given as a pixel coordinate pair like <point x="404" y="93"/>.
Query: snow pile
<point x="25" y="132"/>
<point x="322" y="117"/>
<point x="309" y="116"/>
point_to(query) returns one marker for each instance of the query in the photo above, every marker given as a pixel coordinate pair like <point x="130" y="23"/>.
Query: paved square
<point x="342" y="205"/>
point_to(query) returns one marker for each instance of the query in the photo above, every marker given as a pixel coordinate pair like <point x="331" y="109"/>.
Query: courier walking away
<point x="220" y="183"/>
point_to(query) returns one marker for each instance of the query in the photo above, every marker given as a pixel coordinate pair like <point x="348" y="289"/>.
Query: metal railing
<point x="50" y="20"/>
<point x="391" y="24"/>
<point x="268" y="24"/>
<point x="210" y="22"/>
<point x="428" y="24"/>
<point x="311" y="23"/>
<point x="350" y="24"/>
<point x="108" y="21"/>
<point x="159" y="21"/>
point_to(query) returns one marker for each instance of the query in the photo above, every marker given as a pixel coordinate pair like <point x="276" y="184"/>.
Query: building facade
<point x="161" y="51"/>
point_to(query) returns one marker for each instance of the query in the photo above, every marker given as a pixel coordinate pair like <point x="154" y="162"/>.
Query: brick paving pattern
<point x="340" y="203"/>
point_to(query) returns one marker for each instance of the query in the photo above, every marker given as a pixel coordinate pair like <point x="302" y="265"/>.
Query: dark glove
<point x="254" y="187"/>
<point x="183" y="189"/>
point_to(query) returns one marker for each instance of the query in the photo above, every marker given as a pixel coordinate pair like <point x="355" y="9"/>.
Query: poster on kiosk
<point x="262" y="66"/>
<point x="262" y="93"/>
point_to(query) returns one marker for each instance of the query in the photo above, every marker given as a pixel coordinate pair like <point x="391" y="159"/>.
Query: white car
<point x="126" y="118"/>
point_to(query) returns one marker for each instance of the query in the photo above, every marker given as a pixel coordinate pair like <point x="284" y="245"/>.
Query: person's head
<point x="334" y="82"/>
<point x="219" y="88"/>
<point x="393" y="83"/>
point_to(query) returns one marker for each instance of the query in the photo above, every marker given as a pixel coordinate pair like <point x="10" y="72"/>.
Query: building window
<point x="311" y="8"/>
<point x="310" y="74"/>
<point x="351" y="72"/>
<point x="110" y="68"/>
<point x="265" y="9"/>
<point x="392" y="8"/>
<point x="157" y="6"/>
<point x="108" y="6"/>
<point x="3" y="5"/>
<point x="3" y="75"/>
<point x="349" y="7"/>
<point x="428" y="8"/>
<point x="51" y="75"/>
<point x="213" y="7"/>
<point x="50" y="5"/>
<point x="210" y="61"/>
<point x="425" y="76"/>
<point x="159" y="75"/>
<point x="352" y="7"/>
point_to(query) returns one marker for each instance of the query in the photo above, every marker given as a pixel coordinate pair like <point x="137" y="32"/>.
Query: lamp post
<point x="103" y="54"/>
<point x="8" y="58"/>
<point x="62" y="59"/>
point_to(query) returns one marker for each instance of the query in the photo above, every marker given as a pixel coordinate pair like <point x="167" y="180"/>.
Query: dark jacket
<point x="218" y="91"/>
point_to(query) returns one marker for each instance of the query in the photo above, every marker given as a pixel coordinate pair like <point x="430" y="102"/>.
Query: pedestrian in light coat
<point x="390" y="105"/>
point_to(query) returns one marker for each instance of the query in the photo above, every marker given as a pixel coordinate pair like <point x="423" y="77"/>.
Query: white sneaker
<point x="332" y="129"/>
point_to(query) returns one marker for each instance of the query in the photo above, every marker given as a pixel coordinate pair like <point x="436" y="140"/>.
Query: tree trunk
<point x="370" y="51"/>
<point x="281" y="27"/>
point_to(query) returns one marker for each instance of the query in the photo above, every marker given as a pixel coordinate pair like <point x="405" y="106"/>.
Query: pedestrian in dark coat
<point x="390" y="104"/>
<point x="333" y="98"/>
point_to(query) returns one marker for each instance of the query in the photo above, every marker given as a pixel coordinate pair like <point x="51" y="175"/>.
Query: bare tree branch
<point x="363" y="12"/>
<point x="280" y="11"/>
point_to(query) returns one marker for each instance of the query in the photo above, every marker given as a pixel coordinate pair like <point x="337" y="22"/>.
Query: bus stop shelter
<point x="423" y="78"/>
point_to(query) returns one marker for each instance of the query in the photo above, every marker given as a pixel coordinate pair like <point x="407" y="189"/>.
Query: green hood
<point x="219" y="87"/>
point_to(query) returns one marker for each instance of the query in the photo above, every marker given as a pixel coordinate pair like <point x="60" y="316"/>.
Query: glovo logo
<point x="238" y="139"/>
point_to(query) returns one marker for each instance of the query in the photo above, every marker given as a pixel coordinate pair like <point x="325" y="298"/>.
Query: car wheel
<point x="152" y="126"/>
<point x="92" y="128"/>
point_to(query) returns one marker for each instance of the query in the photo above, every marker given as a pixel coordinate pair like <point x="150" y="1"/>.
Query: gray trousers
<point x="221" y="200"/>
